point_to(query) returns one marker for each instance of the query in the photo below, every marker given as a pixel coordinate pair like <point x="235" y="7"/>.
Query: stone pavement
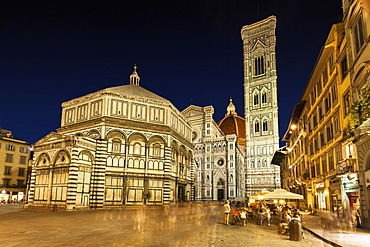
<point x="132" y="227"/>
<point x="139" y="227"/>
<point x="334" y="234"/>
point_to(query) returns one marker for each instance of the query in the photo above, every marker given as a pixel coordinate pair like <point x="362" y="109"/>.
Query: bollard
<point x="295" y="230"/>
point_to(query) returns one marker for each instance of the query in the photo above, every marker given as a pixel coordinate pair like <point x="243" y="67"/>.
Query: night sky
<point x="187" y="51"/>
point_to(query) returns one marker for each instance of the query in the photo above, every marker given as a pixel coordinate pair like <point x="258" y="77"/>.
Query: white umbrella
<point x="282" y="194"/>
<point x="258" y="195"/>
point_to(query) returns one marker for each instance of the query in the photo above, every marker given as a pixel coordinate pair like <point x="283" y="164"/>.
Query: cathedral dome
<point x="233" y="124"/>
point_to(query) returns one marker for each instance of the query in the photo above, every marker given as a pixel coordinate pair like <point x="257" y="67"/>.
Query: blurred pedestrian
<point x="236" y="217"/>
<point x="243" y="217"/>
<point x="227" y="210"/>
<point x="268" y="216"/>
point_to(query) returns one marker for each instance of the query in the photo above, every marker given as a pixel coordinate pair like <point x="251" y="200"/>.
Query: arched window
<point x="265" y="126"/>
<point x="256" y="127"/>
<point x="157" y="149"/>
<point x="255" y="99"/>
<point x="116" y="145"/>
<point x="252" y="164"/>
<point x="264" y="98"/>
<point x="137" y="148"/>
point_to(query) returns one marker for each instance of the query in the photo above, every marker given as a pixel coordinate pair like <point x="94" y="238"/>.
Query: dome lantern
<point x="231" y="110"/>
<point x="134" y="77"/>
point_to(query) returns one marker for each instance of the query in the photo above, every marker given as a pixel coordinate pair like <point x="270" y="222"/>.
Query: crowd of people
<point x="261" y="214"/>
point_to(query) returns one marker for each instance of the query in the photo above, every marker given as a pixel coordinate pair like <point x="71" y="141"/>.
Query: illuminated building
<point x="261" y="105"/>
<point x="14" y="157"/>
<point x="356" y="18"/>
<point x="118" y="146"/>
<point x="322" y="161"/>
<point x="218" y="154"/>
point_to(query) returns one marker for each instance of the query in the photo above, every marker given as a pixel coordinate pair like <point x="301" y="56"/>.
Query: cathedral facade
<point x="118" y="146"/>
<point x="261" y="105"/>
<point x="219" y="154"/>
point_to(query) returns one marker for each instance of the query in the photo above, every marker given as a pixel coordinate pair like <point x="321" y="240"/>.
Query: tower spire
<point x="134" y="77"/>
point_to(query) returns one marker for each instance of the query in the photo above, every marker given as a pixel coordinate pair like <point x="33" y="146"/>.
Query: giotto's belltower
<point x="261" y="105"/>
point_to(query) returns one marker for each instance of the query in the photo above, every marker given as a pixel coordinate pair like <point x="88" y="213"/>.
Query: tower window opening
<point x="256" y="127"/>
<point x="259" y="65"/>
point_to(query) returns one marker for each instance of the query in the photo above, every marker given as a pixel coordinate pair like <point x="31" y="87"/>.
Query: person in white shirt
<point x="227" y="210"/>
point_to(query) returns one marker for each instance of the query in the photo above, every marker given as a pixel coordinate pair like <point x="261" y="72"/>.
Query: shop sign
<point x="350" y="183"/>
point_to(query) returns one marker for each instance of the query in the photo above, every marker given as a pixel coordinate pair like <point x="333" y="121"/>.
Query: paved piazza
<point x="172" y="226"/>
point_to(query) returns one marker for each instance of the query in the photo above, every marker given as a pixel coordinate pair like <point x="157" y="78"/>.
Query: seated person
<point x="284" y="222"/>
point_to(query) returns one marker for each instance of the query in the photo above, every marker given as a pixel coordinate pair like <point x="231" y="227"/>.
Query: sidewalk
<point x="336" y="236"/>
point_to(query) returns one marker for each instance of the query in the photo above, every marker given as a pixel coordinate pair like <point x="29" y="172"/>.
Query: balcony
<point x="346" y="166"/>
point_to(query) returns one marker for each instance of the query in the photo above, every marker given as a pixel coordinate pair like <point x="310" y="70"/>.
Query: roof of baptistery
<point x="129" y="91"/>
<point x="133" y="89"/>
<point x="136" y="90"/>
<point x="232" y="123"/>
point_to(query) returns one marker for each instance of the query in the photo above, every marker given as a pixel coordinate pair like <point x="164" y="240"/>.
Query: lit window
<point x="137" y="148"/>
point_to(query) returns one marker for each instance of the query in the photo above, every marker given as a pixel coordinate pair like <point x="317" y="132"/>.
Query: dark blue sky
<point x="188" y="51"/>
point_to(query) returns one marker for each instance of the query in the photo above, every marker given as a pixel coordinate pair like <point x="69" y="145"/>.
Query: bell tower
<point x="261" y="105"/>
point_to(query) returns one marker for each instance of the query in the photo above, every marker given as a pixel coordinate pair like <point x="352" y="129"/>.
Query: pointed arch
<point x="256" y="97"/>
<point x="265" y="124"/>
<point x="256" y="126"/>
<point x="43" y="160"/>
<point x="62" y="157"/>
<point x="264" y="98"/>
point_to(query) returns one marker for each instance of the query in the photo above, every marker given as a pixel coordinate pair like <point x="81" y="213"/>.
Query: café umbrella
<point x="282" y="194"/>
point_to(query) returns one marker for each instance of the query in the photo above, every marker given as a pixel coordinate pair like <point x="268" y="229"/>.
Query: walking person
<point x="227" y="210"/>
<point x="243" y="216"/>
<point x="268" y="216"/>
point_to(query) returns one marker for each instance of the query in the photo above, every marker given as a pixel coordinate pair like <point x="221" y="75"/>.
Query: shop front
<point x="336" y="197"/>
<point x="350" y="195"/>
<point x="320" y="196"/>
<point x="7" y="196"/>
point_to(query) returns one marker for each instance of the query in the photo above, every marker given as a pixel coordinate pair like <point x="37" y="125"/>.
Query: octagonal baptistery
<point x="118" y="146"/>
